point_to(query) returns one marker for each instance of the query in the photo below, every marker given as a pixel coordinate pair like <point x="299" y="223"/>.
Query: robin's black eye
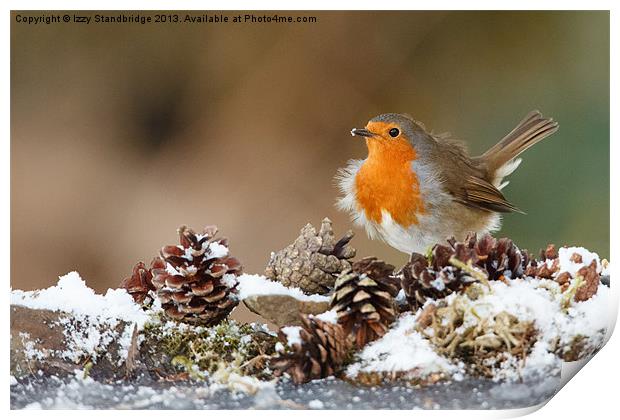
<point x="394" y="132"/>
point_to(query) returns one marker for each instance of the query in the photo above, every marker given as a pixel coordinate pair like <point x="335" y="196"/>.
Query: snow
<point x="401" y="298"/>
<point x="72" y="295"/>
<point x="229" y="280"/>
<point x="217" y="250"/>
<point x="521" y="298"/>
<point x="316" y="404"/>
<point x="589" y="317"/>
<point x="402" y="349"/>
<point x="565" y="254"/>
<point x="328" y="316"/>
<point x="29" y="347"/>
<point x="292" y="335"/>
<point x="172" y="271"/>
<point x="540" y="301"/>
<point x="98" y="315"/>
<point x="257" y="285"/>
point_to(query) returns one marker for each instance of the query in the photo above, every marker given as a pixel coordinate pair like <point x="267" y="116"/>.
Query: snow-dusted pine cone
<point x="318" y="352"/>
<point x="198" y="279"/>
<point x="420" y="281"/>
<point x="140" y="283"/>
<point x="548" y="267"/>
<point x="438" y="277"/>
<point x="590" y="283"/>
<point x="498" y="257"/>
<point x="313" y="261"/>
<point x="364" y="299"/>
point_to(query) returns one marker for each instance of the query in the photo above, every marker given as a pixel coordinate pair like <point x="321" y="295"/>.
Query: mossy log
<point x="47" y="342"/>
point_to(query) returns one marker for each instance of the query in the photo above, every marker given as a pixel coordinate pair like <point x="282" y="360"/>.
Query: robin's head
<point x="390" y="133"/>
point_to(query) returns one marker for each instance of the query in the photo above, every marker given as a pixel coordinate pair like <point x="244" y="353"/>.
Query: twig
<point x="469" y="269"/>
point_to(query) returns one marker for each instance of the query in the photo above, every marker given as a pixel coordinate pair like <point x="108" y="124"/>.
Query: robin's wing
<point x="465" y="179"/>
<point x="478" y="193"/>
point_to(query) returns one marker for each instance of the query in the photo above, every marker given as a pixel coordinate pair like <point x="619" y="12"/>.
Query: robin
<point x="416" y="188"/>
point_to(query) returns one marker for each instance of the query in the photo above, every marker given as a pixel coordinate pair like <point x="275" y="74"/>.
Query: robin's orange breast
<point x="386" y="182"/>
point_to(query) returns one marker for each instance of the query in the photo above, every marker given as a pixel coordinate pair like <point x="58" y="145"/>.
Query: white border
<point x="592" y="394"/>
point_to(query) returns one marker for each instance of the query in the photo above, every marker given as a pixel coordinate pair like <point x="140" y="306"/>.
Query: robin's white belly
<point x="431" y="228"/>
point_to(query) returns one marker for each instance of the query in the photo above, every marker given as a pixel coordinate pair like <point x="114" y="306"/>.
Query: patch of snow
<point x="541" y="301"/>
<point x="292" y="335"/>
<point x="217" y="250"/>
<point x="401" y="349"/>
<point x="438" y="284"/>
<point x="229" y="280"/>
<point x="590" y="318"/>
<point x="541" y="360"/>
<point x="72" y="295"/>
<point x="521" y="298"/>
<point x="316" y="404"/>
<point x="266" y="397"/>
<point x="172" y="271"/>
<point x="97" y="316"/>
<point x="401" y="298"/>
<point x="188" y="253"/>
<point x="330" y="316"/>
<point x="30" y="349"/>
<point x="257" y="285"/>
<point x="565" y="254"/>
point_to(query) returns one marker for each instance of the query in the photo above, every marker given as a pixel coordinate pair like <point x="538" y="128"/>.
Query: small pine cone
<point x="563" y="279"/>
<point x="549" y="253"/>
<point x="313" y="261"/>
<point x="196" y="282"/>
<point x="541" y="269"/>
<point x="420" y="281"/>
<point x="498" y="257"/>
<point x="364" y="299"/>
<point x="590" y="282"/>
<point x="320" y="351"/>
<point x="140" y="284"/>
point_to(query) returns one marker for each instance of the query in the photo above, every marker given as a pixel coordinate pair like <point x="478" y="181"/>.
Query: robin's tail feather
<point x="500" y="159"/>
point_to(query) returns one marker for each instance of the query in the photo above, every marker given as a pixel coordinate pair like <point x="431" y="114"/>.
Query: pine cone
<point x="498" y="257"/>
<point x="543" y="270"/>
<point x="591" y="280"/>
<point x="199" y="282"/>
<point x="313" y="261"/>
<point x="364" y="299"/>
<point x="319" y="353"/>
<point x="420" y="281"/>
<point x="140" y="283"/>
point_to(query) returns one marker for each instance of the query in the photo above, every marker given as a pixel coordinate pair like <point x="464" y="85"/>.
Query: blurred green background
<point x="122" y="132"/>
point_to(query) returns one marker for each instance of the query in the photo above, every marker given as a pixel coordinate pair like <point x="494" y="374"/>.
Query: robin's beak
<point x="362" y="132"/>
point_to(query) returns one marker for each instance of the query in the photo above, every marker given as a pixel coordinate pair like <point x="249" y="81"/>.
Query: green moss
<point x="197" y="349"/>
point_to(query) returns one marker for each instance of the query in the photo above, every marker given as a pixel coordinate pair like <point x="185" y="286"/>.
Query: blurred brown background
<point x="122" y="132"/>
